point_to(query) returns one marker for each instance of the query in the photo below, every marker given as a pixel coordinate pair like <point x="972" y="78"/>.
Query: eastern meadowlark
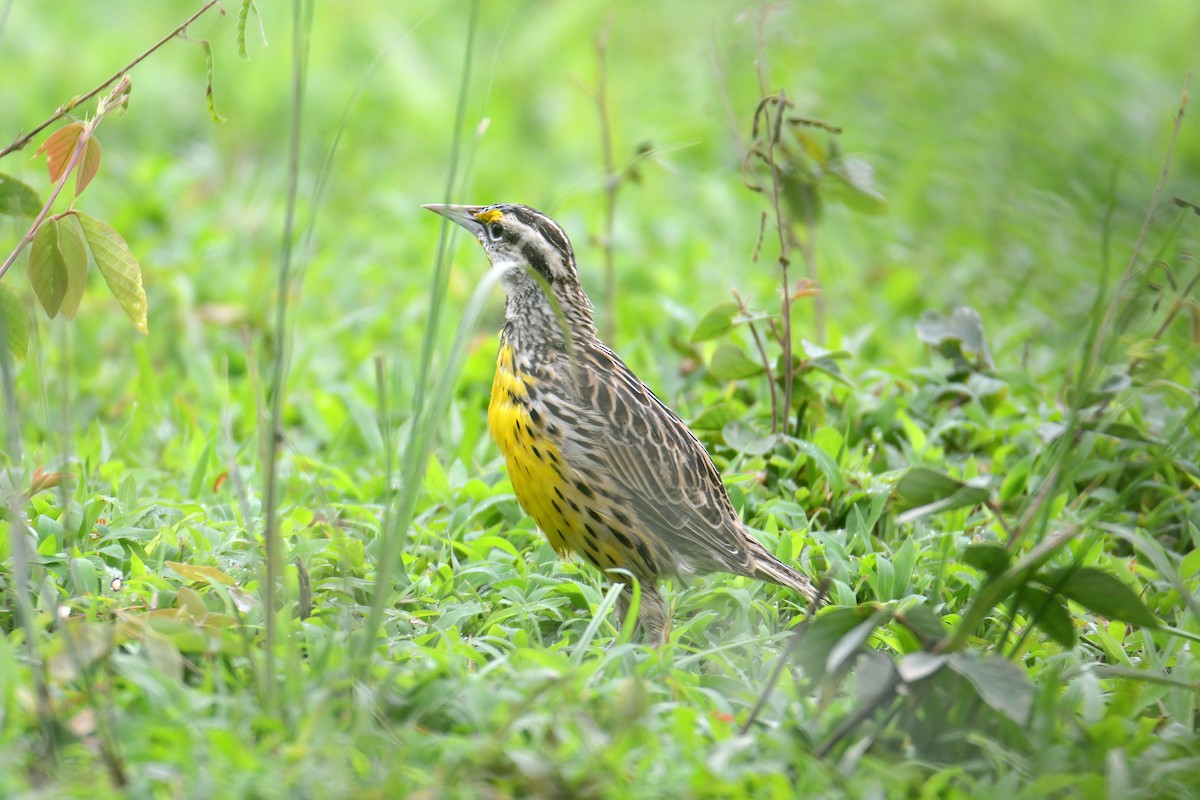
<point x="600" y="463"/>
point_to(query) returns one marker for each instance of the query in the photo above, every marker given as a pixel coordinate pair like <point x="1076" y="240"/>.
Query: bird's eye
<point x="495" y="230"/>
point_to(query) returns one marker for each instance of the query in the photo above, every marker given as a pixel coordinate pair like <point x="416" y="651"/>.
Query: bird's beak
<point x="463" y="215"/>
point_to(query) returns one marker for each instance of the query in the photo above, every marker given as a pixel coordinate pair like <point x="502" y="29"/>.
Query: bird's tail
<point x="766" y="567"/>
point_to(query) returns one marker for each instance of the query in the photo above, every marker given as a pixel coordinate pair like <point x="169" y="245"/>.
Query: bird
<point x="599" y="462"/>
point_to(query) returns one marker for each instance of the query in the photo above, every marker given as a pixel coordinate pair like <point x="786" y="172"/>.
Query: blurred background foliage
<point x="1017" y="144"/>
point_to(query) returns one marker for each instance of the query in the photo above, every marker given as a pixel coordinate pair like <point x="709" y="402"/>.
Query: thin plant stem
<point x="766" y="361"/>
<point x="18" y="532"/>
<point x="278" y="389"/>
<point x="612" y="182"/>
<point x="398" y="509"/>
<point x="1152" y="211"/>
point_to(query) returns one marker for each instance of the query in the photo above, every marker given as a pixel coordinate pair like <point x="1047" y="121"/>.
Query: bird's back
<point x="608" y="471"/>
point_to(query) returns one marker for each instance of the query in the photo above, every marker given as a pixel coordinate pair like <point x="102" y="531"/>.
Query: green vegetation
<point x="267" y="549"/>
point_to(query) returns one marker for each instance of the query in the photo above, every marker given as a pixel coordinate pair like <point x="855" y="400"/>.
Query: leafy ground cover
<point x="267" y="549"/>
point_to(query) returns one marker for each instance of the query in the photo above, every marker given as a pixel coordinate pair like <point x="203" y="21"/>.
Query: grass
<point x="1008" y="537"/>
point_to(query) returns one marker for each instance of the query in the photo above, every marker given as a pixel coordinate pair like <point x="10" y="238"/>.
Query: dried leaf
<point x="201" y="574"/>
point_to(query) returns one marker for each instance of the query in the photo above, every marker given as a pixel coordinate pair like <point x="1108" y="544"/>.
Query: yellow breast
<point x="572" y="515"/>
<point x="534" y="463"/>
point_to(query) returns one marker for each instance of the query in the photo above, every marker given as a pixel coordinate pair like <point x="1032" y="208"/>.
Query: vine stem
<point x="66" y="108"/>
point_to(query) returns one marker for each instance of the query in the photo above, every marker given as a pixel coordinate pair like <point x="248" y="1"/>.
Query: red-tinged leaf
<point x="42" y="480"/>
<point x="59" y="147"/>
<point x="88" y="165"/>
<point x="120" y="269"/>
<point x="13" y="322"/>
<point x="47" y="270"/>
<point x="18" y="199"/>
<point x="220" y="480"/>
<point x="74" y="252"/>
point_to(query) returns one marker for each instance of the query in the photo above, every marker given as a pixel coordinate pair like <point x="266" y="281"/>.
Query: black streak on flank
<point x="644" y="552"/>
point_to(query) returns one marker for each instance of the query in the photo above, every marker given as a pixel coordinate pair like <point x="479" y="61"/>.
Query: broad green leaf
<point x="189" y="601"/>
<point x="716" y="416"/>
<point x="926" y="491"/>
<point x="814" y="352"/>
<point x="1017" y="478"/>
<point x="73" y="250"/>
<point x="731" y="363"/>
<point x="1050" y="614"/>
<point x="923" y="619"/>
<point x="161" y="651"/>
<point x="18" y="199"/>
<point x="1144" y="675"/>
<point x="1190" y="566"/>
<point x="58" y="147"/>
<point x="824" y="633"/>
<point x="120" y="269"/>
<point x="88" y="165"/>
<point x="79" y="644"/>
<point x="826" y="462"/>
<point x="715" y="323"/>
<point x="874" y="676"/>
<point x="1103" y="594"/>
<point x="1000" y="683"/>
<point x="182" y="632"/>
<point x="848" y="646"/>
<point x="47" y="270"/>
<point x="918" y="666"/>
<point x="991" y="558"/>
<point x="964" y="327"/>
<point x="855" y="185"/>
<point x="744" y="439"/>
<point x="84" y="576"/>
<point x="15" y="323"/>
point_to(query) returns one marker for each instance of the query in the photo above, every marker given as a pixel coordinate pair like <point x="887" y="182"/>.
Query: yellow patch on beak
<point x="489" y="215"/>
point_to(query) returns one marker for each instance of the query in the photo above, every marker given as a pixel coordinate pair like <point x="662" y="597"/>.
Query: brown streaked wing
<point x="655" y="466"/>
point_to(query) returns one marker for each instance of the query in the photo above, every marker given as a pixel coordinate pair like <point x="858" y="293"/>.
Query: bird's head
<point x="531" y="250"/>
